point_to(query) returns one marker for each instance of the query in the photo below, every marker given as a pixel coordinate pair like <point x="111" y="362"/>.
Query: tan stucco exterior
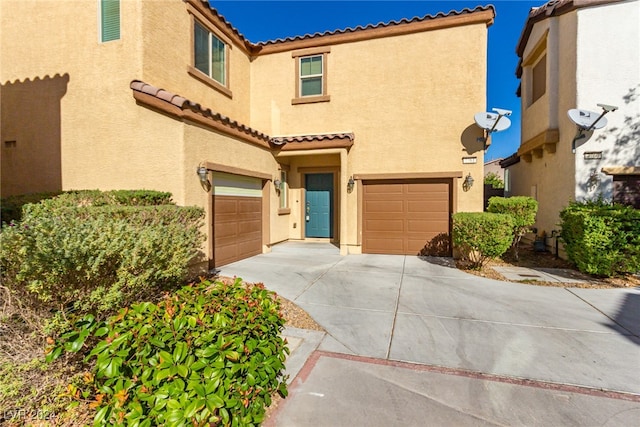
<point x="406" y="114"/>
<point x="586" y="64"/>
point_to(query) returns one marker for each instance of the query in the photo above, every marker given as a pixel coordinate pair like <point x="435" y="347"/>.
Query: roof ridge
<point x="392" y="23"/>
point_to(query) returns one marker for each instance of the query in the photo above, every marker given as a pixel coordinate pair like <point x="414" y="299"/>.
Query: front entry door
<point x="319" y="205"/>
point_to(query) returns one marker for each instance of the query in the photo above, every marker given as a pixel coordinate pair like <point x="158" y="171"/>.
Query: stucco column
<point x="344" y="178"/>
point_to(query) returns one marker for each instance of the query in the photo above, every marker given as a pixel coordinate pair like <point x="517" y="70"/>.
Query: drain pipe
<point x="555" y="234"/>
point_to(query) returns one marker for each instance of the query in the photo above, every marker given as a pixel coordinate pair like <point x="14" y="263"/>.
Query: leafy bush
<point x="96" y="259"/>
<point x="492" y="178"/>
<point x="482" y="235"/>
<point x="211" y="354"/>
<point x="523" y="210"/>
<point x="602" y="239"/>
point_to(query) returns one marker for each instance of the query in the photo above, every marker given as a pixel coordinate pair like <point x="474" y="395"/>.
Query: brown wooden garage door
<point x="237" y="219"/>
<point x="407" y="217"/>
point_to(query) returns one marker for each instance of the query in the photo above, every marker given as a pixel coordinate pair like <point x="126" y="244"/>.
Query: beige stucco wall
<point x="550" y="178"/>
<point x="397" y="128"/>
<point x="167" y="45"/>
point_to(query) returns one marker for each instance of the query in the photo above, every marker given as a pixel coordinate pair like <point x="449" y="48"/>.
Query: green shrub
<point x="602" y="239"/>
<point x="523" y="210"/>
<point x="96" y="259"/>
<point x="482" y="235"/>
<point x="210" y="354"/>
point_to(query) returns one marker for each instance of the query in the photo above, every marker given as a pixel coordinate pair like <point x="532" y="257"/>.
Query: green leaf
<point x="100" y="332"/>
<point x="162" y="374"/>
<point x="183" y="371"/>
<point x="101" y="415"/>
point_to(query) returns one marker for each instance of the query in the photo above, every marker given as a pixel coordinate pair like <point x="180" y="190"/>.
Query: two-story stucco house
<point x="576" y="54"/>
<point x="354" y="136"/>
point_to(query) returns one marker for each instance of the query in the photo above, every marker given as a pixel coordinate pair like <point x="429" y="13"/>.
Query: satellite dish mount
<point x="492" y="122"/>
<point x="588" y="121"/>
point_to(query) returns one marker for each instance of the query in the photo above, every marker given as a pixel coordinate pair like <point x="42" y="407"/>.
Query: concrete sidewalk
<point x="339" y="390"/>
<point x="424" y="311"/>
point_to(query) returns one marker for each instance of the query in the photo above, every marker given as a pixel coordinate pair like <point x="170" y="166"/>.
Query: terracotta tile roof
<point x="182" y="107"/>
<point x="185" y="104"/>
<point x="281" y="140"/>
<point x="359" y="28"/>
<point x="224" y="21"/>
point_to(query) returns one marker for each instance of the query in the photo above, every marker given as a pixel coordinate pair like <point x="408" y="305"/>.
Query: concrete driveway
<point x="398" y="309"/>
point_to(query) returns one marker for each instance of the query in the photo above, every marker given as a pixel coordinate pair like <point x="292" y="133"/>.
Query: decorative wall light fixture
<point x="277" y="184"/>
<point x="467" y="183"/>
<point x="203" y="174"/>
<point x="350" y="184"/>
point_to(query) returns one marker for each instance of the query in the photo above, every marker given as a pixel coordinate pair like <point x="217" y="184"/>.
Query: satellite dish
<point x="492" y="121"/>
<point x="587" y="119"/>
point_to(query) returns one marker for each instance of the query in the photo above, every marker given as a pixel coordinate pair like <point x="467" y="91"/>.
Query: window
<point x="109" y="20"/>
<point x="284" y="200"/>
<point x="539" y="79"/>
<point x="210" y="54"/>
<point x="311" y="75"/>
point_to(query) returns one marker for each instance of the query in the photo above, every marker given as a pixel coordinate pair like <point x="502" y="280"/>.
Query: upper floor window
<point x="311" y="75"/>
<point x="210" y="54"/>
<point x="539" y="79"/>
<point x="109" y="20"/>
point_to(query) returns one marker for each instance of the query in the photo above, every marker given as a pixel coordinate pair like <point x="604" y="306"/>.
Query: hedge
<point x="94" y="259"/>
<point x="480" y="236"/>
<point x="602" y="239"/>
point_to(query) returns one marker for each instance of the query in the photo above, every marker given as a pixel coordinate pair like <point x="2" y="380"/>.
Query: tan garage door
<point x="237" y="218"/>
<point x="407" y="217"/>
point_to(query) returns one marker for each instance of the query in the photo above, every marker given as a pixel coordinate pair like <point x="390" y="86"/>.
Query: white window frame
<point x="284" y="190"/>
<point x="210" y="41"/>
<point x="311" y="76"/>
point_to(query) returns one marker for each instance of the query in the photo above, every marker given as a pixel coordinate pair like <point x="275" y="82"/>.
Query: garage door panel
<point x="381" y="225"/>
<point x="385" y="206"/>
<point x="407" y="217"/>
<point x="385" y="246"/>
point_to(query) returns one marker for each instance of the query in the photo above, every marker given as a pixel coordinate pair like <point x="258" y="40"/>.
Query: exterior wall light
<point x="350" y="184"/>
<point x="203" y="174"/>
<point x="467" y="183"/>
<point x="277" y="184"/>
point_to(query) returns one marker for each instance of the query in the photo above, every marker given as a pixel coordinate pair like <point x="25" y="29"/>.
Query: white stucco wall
<point x="608" y="72"/>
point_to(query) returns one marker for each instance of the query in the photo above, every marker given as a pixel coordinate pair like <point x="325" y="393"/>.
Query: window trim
<point x="196" y="73"/>
<point x="101" y="39"/>
<point x="542" y="90"/>
<point x="534" y="57"/>
<point x="298" y="55"/>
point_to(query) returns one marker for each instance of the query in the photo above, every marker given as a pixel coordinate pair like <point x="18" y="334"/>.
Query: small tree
<point x="523" y="210"/>
<point x="494" y="180"/>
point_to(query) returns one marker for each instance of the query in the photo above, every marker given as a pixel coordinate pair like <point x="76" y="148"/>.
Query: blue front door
<point x="319" y="205"/>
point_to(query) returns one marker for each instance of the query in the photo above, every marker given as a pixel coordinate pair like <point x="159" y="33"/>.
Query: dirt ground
<point x="530" y="259"/>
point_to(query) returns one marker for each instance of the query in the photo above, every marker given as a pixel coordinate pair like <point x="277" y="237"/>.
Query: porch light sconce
<point x="277" y="184"/>
<point x="350" y="184"/>
<point x="467" y="183"/>
<point x="203" y="174"/>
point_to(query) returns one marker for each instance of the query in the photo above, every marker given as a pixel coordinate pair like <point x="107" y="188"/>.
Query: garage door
<point x="407" y="217"/>
<point x="237" y="218"/>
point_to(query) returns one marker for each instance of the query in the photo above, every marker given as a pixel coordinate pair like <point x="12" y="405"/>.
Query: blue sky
<point x="268" y="20"/>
